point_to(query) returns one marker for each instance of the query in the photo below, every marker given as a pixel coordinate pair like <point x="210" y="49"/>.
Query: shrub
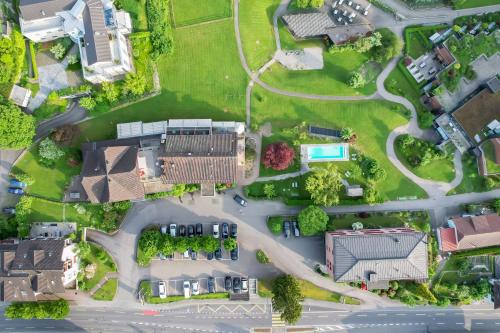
<point x="269" y="191"/>
<point x="72" y="59"/>
<point x="38" y="310"/>
<point x="48" y="150"/>
<point x="58" y="51"/>
<point x="161" y="31"/>
<point x="23" y="177"/>
<point x="88" y="103"/>
<point x="275" y="224"/>
<point x="312" y="220"/>
<point x="230" y="244"/>
<point x="357" y="80"/>
<point x="262" y="257"/>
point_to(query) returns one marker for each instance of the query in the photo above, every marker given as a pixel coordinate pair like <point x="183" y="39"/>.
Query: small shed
<point x="20" y="96"/>
<point x="354" y="191"/>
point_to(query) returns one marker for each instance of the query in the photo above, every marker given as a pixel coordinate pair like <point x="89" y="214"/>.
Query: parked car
<point x="199" y="229"/>
<point x="9" y="210"/>
<point x="296" y="231"/>
<point x="173" y="230"/>
<point x="211" y="284"/>
<point x="234" y="230"/>
<point x="228" y="283"/>
<point x="164" y="229"/>
<point x="210" y="256"/>
<point x="187" y="254"/>
<point x="182" y="230"/>
<point x="194" y="255"/>
<point x="218" y="254"/>
<point x="225" y="230"/>
<point x="236" y="285"/>
<point x="14" y="190"/>
<point x="162" y="256"/>
<point x="240" y="200"/>
<point x="190" y="230"/>
<point x="286" y="229"/>
<point x="162" y="289"/>
<point x="215" y="230"/>
<point x="17" y="183"/>
<point x="195" y="287"/>
<point x="244" y="285"/>
<point x="235" y="253"/>
<point x="187" y="289"/>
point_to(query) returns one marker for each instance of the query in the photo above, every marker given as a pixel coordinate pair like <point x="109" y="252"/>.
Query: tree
<point x="209" y="244"/>
<point x="38" y="310"/>
<point x="391" y="46"/>
<point x="84" y="249"/>
<point x="134" y="85"/>
<point x="111" y="91"/>
<point x="194" y="243"/>
<point x="58" y="51"/>
<point x="23" y="210"/>
<point x="275" y="224"/>
<point x="346" y="133"/>
<point x="72" y="59"/>
<point x="17" y="128"/>
<point x="167" y="245"/>
<point x="357" y="80"/>
<point x="230" y="244"/>
<point x="269" y="191"/>
<point x="88" y="103"/>
<point x="496" y="205"/>
<point x="371" y="195"/>
<point x="49" y="150"/>
<point x="287" y="298"/>
<point x="12" y="56"/>
<point x="316" y="3"/>
<point x="278" y="156"/>
<point x="149" y="242"/>
<point x="312" y="220"/>
<point x="181" y="244"/>
<point x="324" y="186"/>
<point x="23" y="177"/>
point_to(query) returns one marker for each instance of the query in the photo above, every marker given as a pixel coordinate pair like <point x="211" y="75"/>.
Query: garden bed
<point x="107" y="291"/>
<point x="103" y="264"/>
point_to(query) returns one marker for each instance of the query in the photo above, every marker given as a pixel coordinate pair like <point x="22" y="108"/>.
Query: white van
<point x="215" y="230"/>
<point x="162" y="289"/>
<point x="187" y="289"/>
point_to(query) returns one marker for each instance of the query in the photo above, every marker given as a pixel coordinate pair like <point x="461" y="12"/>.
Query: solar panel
<point x="324" y="131"/>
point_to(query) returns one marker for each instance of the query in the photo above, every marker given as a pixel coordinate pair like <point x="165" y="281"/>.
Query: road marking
<point x="419" y="314"/>
<point x="479" y="323"/>
<point x="381" y="314"/>
<point x="100" y="310"/>
<point x="440" y="323"/>
<point x="30" y="327"/>
<point x="322" y="316"/>
<point x="459" y="323"/>
<point x="362" y="315"/>
<point x="401" y="314"/>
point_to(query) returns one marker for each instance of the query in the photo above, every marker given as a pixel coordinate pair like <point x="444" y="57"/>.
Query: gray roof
<point x="38" y="9"/>
<point x="308" y="25"/>
<point x="343" y="33"/>
<point x="493" y="84"/>
<point x="380" y="257"/>
<point x="96" y="38"/>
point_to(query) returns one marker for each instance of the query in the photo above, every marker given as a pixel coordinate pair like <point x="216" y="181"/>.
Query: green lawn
<point x="489" y="155"/>
<point x="472" y="181"/>
<point x="256" y="29"/>
<point x="137" y="11"/>
<point x="107" y="291"/>
<point x="416" y="47"/>
<point x="371" y="120"/>
<point x="104" y="264"/>
<point x="50" y="182"/>
<point x="202" y="79"/>
<point x="187" y="12"/>
<point x="463" y="4"/>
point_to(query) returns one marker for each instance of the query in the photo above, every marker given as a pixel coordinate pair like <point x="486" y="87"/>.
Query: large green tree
<point x="17" y="128"/>
<point x="324" y="186"/>
<point x="38" y="310"/>
<point x="49" y="150"/>
<point x="312" y="220"/>
<point x="287" y="298"/>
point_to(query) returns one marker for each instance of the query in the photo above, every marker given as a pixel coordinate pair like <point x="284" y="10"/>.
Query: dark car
<point x="190" y="230"/>
<point x="236" y="285"/>
<point x="225" y="230"/>
<point x="296" y="231"/>
<point x="17" y="191"/>
<point x="228" y="283"/>
<point x="199" y="229"/>
<point x="9" y="210"/>
<point x="218" y="254"/>
<point x="235" y="253"/>
<point x="194" y="255"/>
<point x="211" y="284"/>
<point x="286" y="229"/>
<point x="210" y="256"/>
<point x="182" y="230"/>
<point x="240" y="200"/>
<point x="234" y="230"/>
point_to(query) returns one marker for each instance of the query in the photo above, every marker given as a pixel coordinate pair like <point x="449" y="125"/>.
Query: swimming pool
<point x="325" y="152"/>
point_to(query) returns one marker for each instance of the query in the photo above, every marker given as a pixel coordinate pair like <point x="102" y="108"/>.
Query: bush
<point x="275" y="224"/>
<point x="357" y="80"/>
<point x="278" y="156"/>
<point x="48" y="150"/>
<point x="58" y="51"/>
<point x="262" y="257"/>
<point x="38" y="310"/>
<point x="230" y="244"/>
<point x="158" y="14"/>
<point x="312" y="221"/>
<point x="88" y="103"/>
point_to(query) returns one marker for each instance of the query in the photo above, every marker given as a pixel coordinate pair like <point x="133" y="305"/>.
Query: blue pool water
<point x="334" y="152"/>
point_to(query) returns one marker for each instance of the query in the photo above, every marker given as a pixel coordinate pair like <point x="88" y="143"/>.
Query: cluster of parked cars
<point x="15" y="187"/>
<point x="291" y="227"/>
<point x="236" y="284"/>
<point x="192" y="287"/>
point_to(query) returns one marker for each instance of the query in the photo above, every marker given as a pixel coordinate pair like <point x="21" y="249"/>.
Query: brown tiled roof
<point x="16" y="288"/>
<point x="477" y="231"/>
<point x="39" y="254"/>
<point x="110" y="174"/>
<point x="444" y="55"/>
<point x="48" y="282"/>
<point x="448" y="239"/>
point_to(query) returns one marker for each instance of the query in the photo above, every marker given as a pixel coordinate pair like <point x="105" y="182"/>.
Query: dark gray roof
<point x="38" y="9"/>
<point x="39" y="254"/>
<point x="401" y="256"/>
<point x="96" y="38"/>
<point x="308" y="25"/>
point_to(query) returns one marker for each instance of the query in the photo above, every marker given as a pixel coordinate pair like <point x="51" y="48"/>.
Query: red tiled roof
<point x="477" y="231"/>
<point x="448" y="239"/>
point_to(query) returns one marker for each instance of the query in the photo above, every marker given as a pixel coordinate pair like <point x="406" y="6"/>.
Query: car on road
<point x="173" y="230"/>
<point x="215" y="230"/>
<point x="295" y="227"/>
<point x="190" y="230"/>
<point x="234" y="230"/>
<point x="228" y="283"/>
<point x="218" y="254"/>
<point x="225" y="230"/>
<point x="235" y="253"/>
<point x="194" y="255"/>
<point x="182" y="230"/>
<point x="210" y="256"/>
<point x="9" y="210"/>
<point x="211" y="285"/>
<point x="162" y="289"/>
<point x="236" y="285"/>
<point x="14" y="190"/>
<point x="187" y="289"/>
<point x="244" y="285"/>
<point x="240" y="200"/>
<point x="17" y="183"/>
<point x="199" y="229"/>
<point x="164" y="229"/>
<point x="286" y="229"/>
<point x="195" y="287"/>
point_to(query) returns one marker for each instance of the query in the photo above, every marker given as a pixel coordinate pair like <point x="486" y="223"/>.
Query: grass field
<point x="463" y="4"/>
<point x="107" y="291"/>
<point x="187" y="12"/>
<point x="256" y="29"/>
<point x="489" y="155"/>
<point x="371" y="120"/>
<point x="472" y="181"/>
<point x="202" y="79"/>
<point x="137" y="11"/>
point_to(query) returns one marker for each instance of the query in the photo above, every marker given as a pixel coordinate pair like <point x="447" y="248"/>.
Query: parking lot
<point x="175" y="286"/>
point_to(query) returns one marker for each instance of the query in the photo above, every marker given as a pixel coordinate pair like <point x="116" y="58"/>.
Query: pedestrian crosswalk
<point x="276" y="320"/>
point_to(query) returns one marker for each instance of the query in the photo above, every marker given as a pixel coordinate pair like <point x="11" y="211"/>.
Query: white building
<point x="96" y="26"/>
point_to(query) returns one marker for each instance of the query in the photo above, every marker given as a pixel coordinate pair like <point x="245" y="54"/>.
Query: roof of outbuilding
<point x="38" y="9"/>
<point x="307" y="25"/>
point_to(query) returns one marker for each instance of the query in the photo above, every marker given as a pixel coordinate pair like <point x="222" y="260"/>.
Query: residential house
<point x="38" y="269"/>
<point x="376" y="256"/>
<point x="469" y="232"/>
<point x="95" y="26"/>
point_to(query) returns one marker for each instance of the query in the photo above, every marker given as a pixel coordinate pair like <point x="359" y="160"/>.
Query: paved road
<point x="74" y="115"/>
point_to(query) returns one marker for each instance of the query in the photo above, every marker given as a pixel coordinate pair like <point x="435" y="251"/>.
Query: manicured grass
<point x="137" y="11"/>
<point x="416" y="47"/>
<point x="107" y="291"/>
<point x="104" y="264"/>
<point x="50" y="182"/>
<point x="202" y="79"/>
<point x="374" y="221"/>
<point x="472" y="181"/>
<point x="463" y="4"/>
<point x="371" y="120"/>
<point x="187" y="12"/>
<point x="256" y="29"/>
<point x="489" y="155"/>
